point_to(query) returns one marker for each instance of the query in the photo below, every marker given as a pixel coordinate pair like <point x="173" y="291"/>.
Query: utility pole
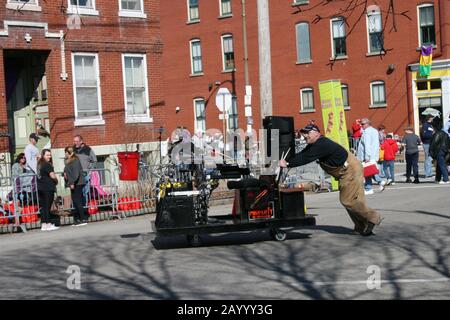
<point x="248" y="107"/>
<point x="265" y="64"/>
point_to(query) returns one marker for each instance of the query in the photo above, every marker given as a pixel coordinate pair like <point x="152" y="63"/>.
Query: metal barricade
<point x="135" y="197"/>
<point x="19" y="203"/>
<point x="99" y="197"/>
<point x="311" y="172"/>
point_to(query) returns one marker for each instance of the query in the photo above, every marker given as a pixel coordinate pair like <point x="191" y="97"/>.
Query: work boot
<point x="368" y="230"/>
<point x="408" y="180"/>
<point x="416" y="180"/>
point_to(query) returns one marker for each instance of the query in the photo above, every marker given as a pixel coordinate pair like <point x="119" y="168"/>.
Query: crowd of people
<point x="34" y="168"/>
<point x="377" y="147"/>
<point x="374" y="145"/>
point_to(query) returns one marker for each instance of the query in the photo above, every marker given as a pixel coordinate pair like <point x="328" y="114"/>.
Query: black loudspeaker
<point x="175" y="212"/>
<point x="285" y="126"/>
<point x="292" y="204"/>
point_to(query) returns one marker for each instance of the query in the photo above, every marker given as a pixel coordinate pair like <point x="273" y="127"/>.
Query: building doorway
<point x="26" y="97"/>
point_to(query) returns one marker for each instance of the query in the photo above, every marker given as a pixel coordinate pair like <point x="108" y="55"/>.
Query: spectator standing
<point x="74" y="179"/>
<point x="369" y="150"/>
<point x="439" y="149"/>
<point x="23" y="179"/>
<point x="382" y="138"/>
<point x="32" y="153"/>
<point x="88" y="160"/>
<point x="425" y="134"/>
<point x="47" y="182"/>
<point x="356" y="132"/>
<point x="390" y="149"/>
<point x="411" y="143"/>
<point x="447" y="125"/>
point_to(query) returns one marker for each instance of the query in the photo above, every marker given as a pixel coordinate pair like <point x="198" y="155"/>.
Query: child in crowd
<point x="390" y="150"/>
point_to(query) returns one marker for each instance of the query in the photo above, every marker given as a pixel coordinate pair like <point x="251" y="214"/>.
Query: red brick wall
<point x="287" y="77"/>
<point x="181" y="88"/>
<point x="108" y="35"/>
<point x="357" y="71"/>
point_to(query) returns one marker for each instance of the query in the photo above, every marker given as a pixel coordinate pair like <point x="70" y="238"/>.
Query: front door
<point x="26" y="90"/>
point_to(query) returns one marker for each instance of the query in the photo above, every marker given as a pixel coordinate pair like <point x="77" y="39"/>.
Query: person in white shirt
<point x="32" y="153"/>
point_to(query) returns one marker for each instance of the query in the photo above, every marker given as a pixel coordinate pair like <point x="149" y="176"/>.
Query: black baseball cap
<point x="310" y="127"/>
<point x="34" y="136"/>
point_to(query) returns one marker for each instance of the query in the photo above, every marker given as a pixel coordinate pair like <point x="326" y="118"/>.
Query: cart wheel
<point x="278" y="234"/>
<point x="194" y="240"/>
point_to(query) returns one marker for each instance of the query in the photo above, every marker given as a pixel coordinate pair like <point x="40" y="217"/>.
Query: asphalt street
<point x="124" y="260"/>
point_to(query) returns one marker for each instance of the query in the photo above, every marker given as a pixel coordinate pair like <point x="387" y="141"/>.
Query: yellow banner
<point x="333" y="114"/>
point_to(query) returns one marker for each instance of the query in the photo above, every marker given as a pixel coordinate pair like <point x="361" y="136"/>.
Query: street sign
<point x="223" y="99"/>
<point x="247" y="100"/>
<point x="248" y="90"/>
<point x="248" y="111"/>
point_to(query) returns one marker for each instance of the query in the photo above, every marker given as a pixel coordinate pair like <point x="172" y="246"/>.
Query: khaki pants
<point x="351" y="192"/>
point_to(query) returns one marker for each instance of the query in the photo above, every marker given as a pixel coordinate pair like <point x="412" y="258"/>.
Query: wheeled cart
<point x="255" y="207"/>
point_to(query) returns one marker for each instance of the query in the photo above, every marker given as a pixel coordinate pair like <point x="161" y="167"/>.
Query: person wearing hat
<point x="425" y="135"/>
<point x="32" y="153"/>
<point x="343" y="166"/>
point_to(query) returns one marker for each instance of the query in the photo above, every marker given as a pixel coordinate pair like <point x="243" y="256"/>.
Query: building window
<point x="426" y="25"/>
<point x="86" y="7"/>
<point x="422" y="85"/>
<point x="136" y="88"/>
<point x="429" y="85"/>
<point x="132" y="8"/>
<point x="303" y="42"/>
<point x="27" y="5"/>
<point x="196" y="57"/>
<point x="228" y="53"/>
<point x="344" y="89"/>
<point x="193" y="14"/>
<point x="378" y="93"/>
<point x="375" y="30"/>
<point x="233" y="115"/>
<point x="200" y="115"/>
<point x="86" y="87"/>
<point x="307" y="99"/>
<point x="339" y="37"/>
<point x="225" y="8"/>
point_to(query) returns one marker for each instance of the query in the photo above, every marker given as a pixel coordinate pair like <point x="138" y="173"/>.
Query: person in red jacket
<point x="356" y="133"/>
<point x="390" y="148"/>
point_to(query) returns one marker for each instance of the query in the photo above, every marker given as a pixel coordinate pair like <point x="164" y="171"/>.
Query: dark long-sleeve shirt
<point x="73" y="173"/>
<point x="324" y="150"/>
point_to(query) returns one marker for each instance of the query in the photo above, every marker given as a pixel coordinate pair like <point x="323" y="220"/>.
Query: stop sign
<point x="223" y="99"/>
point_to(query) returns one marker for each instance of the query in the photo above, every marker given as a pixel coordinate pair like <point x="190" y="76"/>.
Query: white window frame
<point x="419" y="31"/>
<point x="299" y="2"/>
<point x="225" y="14"/>
<point x="333" y="56"/>
<point x="132" y="13"/>
<point x="190" y="20"/>
<point x="372" y="104"/>
<point x="344" y="85"/>
<point x="15" y="5"/>
<point x="195" y="114"/>
<point x="368" y="31"/>
<point x="193" y="73"/>
<point x="296" y="43"/>
<point x="136" y="118"/>
<point x="302" y="109"/>
<point x="88" y="121"/>
<point x="71" y="9"/>
<point x="223" y="52"/>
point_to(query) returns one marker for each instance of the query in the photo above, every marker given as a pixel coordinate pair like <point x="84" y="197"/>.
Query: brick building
<point x="374" y="54"/>
<point x="89" y="67"/>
